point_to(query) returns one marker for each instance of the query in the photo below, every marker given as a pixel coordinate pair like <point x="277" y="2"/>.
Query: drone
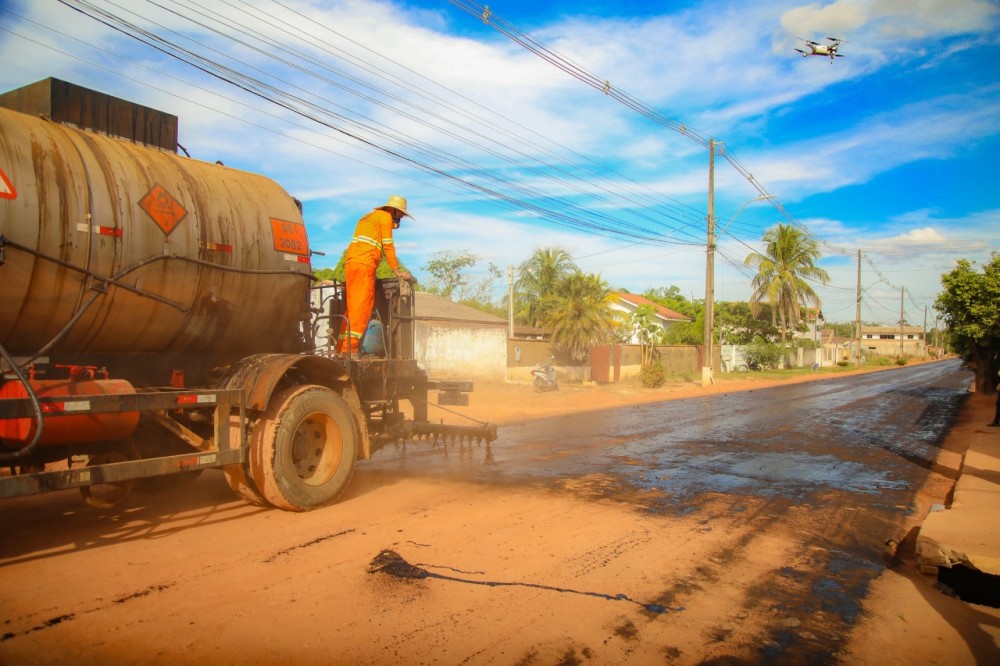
<point x="817" y="49"/>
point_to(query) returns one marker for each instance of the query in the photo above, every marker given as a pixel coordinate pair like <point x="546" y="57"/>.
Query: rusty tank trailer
<point x="158" y="317"/>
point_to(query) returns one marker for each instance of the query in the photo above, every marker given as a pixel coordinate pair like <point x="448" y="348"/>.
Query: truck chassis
<point x="287" y="429"/>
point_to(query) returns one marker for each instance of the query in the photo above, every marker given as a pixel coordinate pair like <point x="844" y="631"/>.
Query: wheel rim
<point x="107" y="495"/>
<point x="317" y="448"/>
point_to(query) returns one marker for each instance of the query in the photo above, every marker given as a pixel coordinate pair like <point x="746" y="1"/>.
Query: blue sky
<point x="499" y="152"/>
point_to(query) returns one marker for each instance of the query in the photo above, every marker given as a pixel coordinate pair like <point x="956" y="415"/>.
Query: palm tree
<point x="539" y="275"/>
<point x="788" y="261"/>
<point x="580" y="314"/>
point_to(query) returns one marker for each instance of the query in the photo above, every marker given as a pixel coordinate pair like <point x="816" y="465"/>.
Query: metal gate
<point x="605" y="360"/>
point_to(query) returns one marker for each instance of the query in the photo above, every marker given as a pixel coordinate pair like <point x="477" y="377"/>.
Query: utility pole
<point x="510" y="301"/>
<point x="857" y="314"/>
<point x="925" y="332"/>
<point x="706" y="363"/>
<point x="902" y="335"/>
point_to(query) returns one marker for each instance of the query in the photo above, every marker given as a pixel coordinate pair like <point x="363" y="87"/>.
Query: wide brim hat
<point x="399" y="203"/>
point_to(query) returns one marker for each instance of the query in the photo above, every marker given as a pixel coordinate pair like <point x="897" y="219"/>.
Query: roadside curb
<point x="967" y="533"/>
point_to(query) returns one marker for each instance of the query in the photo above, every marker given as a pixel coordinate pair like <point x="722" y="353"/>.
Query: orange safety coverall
<point x="372" y="239"/>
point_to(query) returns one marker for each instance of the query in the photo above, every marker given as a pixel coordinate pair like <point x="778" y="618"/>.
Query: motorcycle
<point x="544" y="377"/>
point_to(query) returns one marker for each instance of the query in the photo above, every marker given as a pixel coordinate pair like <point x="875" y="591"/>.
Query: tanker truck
<point x="158" y="317"/>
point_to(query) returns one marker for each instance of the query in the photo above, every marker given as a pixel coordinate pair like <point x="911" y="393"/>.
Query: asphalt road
<point x="838" y="462"/>
<point x="871" y="437"/>
<point x="732" y="528"/>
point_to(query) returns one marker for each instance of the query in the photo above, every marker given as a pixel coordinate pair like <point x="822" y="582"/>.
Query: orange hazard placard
<point x="7" y="190"/>
<point x="290" y="237"/>
<point x="165" y="210"/>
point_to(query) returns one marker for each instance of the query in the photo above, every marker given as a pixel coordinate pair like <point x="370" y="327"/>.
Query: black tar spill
<point x="390" y="562"/>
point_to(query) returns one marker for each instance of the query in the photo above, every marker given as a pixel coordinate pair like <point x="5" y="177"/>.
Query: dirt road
<point x="428" y="569"/>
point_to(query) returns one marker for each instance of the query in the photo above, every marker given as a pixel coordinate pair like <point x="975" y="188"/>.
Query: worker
<point x="372" y="241"/>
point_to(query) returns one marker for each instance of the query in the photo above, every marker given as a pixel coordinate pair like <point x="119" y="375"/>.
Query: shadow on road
<point x="41" y="526"/>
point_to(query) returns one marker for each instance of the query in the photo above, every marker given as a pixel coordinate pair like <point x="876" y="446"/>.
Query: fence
<point x="607" y="363"/>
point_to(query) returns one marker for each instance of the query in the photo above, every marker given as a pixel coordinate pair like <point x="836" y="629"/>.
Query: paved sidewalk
<point x="968" y="532"/>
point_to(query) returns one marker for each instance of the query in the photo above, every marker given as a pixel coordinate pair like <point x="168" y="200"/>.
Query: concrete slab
<point x="968" y="532"/>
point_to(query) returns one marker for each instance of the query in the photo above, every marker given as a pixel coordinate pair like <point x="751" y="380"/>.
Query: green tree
<point x="788" y="261"/>
<point x="841" y="329"/>
<point x="324" y="274"/>
<point x="383" y="270"/>
<point x="737" y="325"/>
<point x="536" y="284"/>
<point x="481" y="290"/>
<point x="453" y="279"/>
<point x="643" y="323"/>
<point x="448" y="272"/>
<point x="970" y="307"/>
<point x="687" y="332"/>
<point x="580" y="314"/>
<point x="672" y="298"/>
<point x="761" y="353"/>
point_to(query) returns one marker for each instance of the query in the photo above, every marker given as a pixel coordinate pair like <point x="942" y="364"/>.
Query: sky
<point x="581" y="125"/>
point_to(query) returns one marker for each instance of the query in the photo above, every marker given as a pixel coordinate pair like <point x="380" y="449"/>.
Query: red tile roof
<point x="638" y="301"/>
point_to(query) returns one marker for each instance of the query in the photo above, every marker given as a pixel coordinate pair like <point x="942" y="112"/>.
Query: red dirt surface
<point x="521" y="576"/>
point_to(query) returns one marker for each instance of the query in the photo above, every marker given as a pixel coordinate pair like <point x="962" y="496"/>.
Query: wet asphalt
<point x="874" y="436"/>
<point x="848" y="453"/>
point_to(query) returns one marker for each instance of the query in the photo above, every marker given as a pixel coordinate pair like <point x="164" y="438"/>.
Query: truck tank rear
<point x="114" y="248"/>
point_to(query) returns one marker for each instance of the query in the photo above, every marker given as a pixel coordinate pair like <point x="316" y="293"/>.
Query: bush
<point x="653" y="375"/>
<point x="843" y="364"/>
<point x="900" y="360"/>
<point x="762" y="354"/>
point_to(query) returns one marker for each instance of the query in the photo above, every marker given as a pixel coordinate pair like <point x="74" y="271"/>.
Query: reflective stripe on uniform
<point x="367" y="241"/>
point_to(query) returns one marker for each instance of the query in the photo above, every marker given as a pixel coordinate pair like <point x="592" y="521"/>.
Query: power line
<point x="462" y="173"/>
<point x="604" y="85"/>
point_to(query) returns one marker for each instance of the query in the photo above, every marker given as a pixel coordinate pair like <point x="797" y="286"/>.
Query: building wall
<point x="525" y="355"/>
<point x="450" y="350"/>
<point x="891" y="347"/>
<point x="884" y="341"/>
<point x="677" y="360"/>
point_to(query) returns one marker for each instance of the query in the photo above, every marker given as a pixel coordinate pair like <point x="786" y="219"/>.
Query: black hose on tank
<point x="35" y="404"/>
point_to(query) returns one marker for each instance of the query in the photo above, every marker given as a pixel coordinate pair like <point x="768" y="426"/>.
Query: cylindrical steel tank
<point x="202" y="258"/>
<point x="62" y="426"/>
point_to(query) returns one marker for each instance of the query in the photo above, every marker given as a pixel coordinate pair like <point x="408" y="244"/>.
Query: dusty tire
<point x="107" y="495"/>
<point x="238" y="476"/>
<point x="539" y="385"/>
<point x="303" y="449"/>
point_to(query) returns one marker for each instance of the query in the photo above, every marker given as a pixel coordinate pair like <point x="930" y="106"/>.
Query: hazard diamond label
<point x="289" y="237"/>
<point x="165" y="210"/>
<point x="7" y="190"/>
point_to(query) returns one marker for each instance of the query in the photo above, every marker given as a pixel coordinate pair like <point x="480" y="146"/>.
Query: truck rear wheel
<point x="108" y="495"/>
<point x="303" y="449"/>
<point x="238" y="476"/>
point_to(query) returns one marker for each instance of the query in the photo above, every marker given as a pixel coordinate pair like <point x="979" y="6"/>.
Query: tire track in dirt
<point x="12" y="632"/>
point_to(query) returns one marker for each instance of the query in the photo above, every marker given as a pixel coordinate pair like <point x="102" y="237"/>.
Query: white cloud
<point x="927" y="129"/>
<point x="915" y="19"/>
<point x="726" y="70"/>
<point x="831" y="20"/>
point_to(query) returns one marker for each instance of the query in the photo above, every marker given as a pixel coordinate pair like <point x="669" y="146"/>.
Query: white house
<point x="891" y="341"/>
<point x="628" y="303"/>
<point x="454" y="340"/>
